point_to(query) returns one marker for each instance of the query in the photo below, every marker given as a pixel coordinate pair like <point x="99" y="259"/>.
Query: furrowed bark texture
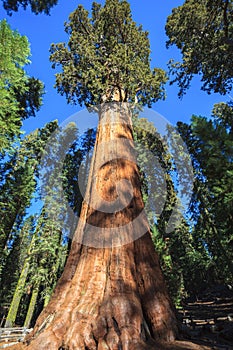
<point x="112" y="294"/>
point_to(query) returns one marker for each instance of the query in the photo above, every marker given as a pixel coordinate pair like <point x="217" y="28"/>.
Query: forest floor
<point x="208" y="320"/>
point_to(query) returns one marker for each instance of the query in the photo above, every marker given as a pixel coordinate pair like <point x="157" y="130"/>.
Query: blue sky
<point x="43" y="30"/>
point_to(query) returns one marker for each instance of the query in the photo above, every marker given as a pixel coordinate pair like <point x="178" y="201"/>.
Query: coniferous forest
<point x="106" y="60"/>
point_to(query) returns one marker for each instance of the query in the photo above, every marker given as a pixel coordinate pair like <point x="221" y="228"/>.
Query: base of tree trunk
<point x="150" y="345"/>
<point x="109" y="305"/>
<point x="118" y="309"/>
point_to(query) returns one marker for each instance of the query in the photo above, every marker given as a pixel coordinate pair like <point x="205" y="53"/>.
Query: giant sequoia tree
<point x="112" y="293"/>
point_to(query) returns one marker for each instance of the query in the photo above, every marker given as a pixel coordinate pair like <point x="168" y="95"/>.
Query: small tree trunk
<point x="13" y="310"/>
<point x="112" y="293"/>
<point x="31" y="307"/>
<point x="14" y="306"/>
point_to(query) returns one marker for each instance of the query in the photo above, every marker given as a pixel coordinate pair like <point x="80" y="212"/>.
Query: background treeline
<point x="35" y="225"/>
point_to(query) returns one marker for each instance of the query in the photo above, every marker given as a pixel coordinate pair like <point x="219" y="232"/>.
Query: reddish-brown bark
<point x="112" y="294"/>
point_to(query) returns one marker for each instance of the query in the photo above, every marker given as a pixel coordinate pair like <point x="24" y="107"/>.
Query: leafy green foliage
<point x="20" y="95"/>
<point x="203" y="32"/>
<point x="37" y="6"/>
<point x="107" y="57"/>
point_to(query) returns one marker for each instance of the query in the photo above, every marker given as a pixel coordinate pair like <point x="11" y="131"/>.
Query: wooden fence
<point x="10" y="336"/>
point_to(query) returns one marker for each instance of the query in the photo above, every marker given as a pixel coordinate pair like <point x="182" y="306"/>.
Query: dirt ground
<point x="208" y="320"/>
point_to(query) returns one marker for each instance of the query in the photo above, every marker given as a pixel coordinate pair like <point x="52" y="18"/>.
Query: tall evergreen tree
<point x="18" y="187"/>
<point x="20" y="94"/>
<point x="210" y="145"/>
<point x="114" y="296"/>
<point x="19" y="183"/>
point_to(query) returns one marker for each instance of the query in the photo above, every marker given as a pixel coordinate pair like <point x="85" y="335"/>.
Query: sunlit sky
<point x="43" y="30"/>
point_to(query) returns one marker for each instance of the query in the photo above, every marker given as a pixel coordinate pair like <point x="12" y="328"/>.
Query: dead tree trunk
<point x="112" y="294"/>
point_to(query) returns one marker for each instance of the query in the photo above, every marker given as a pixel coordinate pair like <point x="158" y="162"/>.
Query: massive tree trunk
<point x="112" y="293"/>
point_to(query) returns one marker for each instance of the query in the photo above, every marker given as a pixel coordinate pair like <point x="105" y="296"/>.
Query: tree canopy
<point x="37" y="6"/>
<point x="203" y="32"/>
<point x="107" y="54"/>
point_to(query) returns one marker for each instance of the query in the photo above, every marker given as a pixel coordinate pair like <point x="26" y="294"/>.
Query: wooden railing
<point x="10" y="336"/>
